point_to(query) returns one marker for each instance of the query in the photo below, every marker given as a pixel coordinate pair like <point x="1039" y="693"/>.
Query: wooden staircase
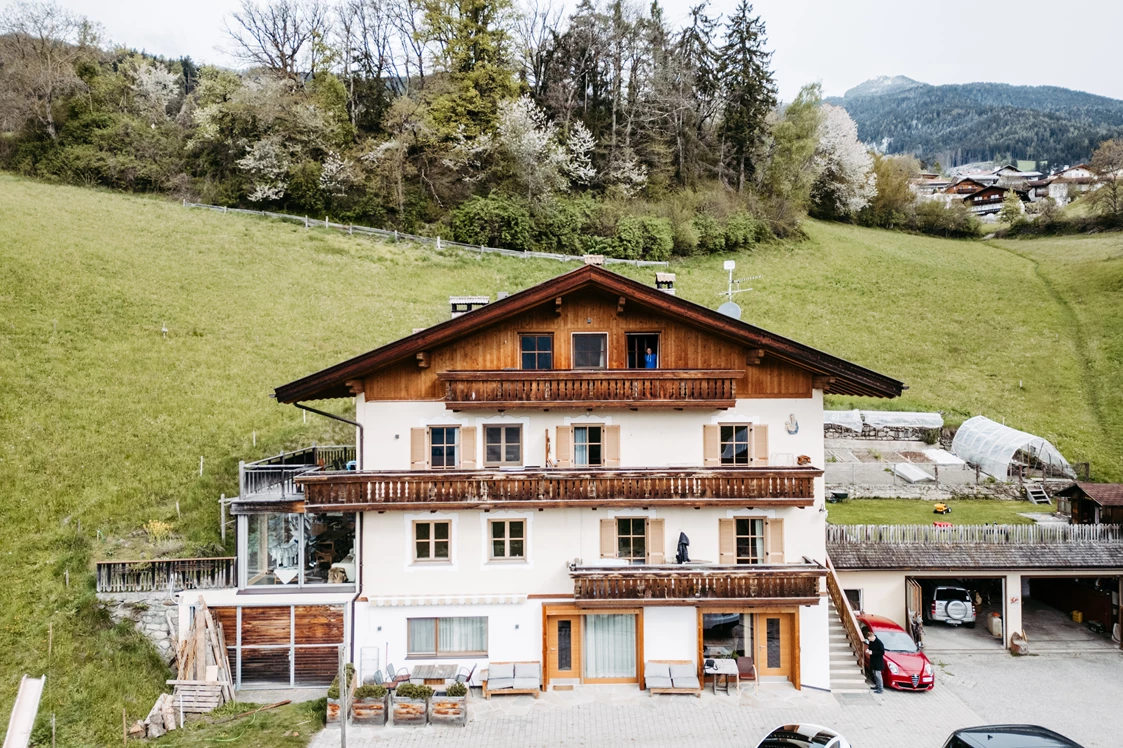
<point x="846" y="676"/>
<point x="1035" y="493"/>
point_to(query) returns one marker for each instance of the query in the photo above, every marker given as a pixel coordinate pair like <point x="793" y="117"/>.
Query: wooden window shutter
<point x="727" y="542"/>
<point x="711" y="445"/>
<point x="468" y="447"/>
<point x="760" y="444"/>
<point x="565" y="447"/>
<point x="418" y="452"/>
<point x="612" y="446"/>
<point x="656" y="542"/>
<point x="774" y="536"/>
<point x="608" y="538"/>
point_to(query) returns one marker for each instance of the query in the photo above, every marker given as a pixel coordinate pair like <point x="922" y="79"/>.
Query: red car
<point x="906" y="667"/>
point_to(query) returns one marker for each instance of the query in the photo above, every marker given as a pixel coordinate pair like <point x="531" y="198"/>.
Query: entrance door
<point x="773" y="638"/>
<point x="563" y="644"/>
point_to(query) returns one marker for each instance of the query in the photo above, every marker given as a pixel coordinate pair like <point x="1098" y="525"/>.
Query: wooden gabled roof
<point x="845" y="377"/>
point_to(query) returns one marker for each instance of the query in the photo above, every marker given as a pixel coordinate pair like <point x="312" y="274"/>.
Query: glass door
<point x="773" y="638"/>
<point x="563" y="640"/>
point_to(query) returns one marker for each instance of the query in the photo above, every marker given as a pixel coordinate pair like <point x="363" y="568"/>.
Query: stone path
<point x="1077" y="695"/>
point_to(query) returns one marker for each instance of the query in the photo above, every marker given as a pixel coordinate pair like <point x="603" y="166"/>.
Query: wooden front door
<point x="563" y="648"/>
<point x="774" y="646"/>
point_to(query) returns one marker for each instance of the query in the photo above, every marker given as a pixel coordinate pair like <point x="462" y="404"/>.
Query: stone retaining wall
<point x="885" y="433"/>
<point x="154" y="614"/>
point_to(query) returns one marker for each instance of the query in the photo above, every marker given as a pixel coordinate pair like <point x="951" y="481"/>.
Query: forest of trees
<point x="603" y="130"/>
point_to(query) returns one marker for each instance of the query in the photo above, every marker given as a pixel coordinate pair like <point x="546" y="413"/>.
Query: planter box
<point x="370" y="711"/>
<point x="449" y="710"/>
<point x="411" y="711"/>
<point x="333" y="710"/>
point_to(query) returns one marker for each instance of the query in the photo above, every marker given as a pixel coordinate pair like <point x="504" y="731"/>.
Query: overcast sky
<point x="1074" y="43"/>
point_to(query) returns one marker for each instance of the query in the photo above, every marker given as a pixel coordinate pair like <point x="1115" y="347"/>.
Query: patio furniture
<point x="395" y="676"/>
<point x="433" y="675"/>
<point x="672" y="676"/>
<point x="513" y="678"/>
<point x="746" y="670"/>
<point x="723" y="668"/>
<point x="465" y="675"/>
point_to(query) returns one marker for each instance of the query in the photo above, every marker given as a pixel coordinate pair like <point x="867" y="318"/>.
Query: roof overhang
<point x="846" y="378"/>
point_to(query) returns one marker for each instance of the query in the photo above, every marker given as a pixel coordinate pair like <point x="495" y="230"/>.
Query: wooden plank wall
<point x="681" y="347"/>
<point x="314" y="625"/>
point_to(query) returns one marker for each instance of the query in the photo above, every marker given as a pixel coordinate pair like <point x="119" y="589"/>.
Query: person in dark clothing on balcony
<point x="876" y="650"/>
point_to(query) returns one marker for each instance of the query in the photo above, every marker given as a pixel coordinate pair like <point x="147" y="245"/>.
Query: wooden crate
<point x="370" y="711"/>
<point x="411" y="711"/>
<point x="449" y="710"/>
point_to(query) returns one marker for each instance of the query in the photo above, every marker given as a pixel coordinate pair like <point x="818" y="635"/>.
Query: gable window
<point x="588" y="446"/>
<point x="749" y="535"/>
<point x="440" y="637"/>
<point x="432" y="540"/>
<point x="643" y="350"/>
<point x="444" y="443"/>
<point x="590" y="350"/>
<point x="735" y="444"/>
<point x="503" y="445"/>
<point x="631" y="539"/>
<point x="508" y="539"/>
<point x="537" y="351"/>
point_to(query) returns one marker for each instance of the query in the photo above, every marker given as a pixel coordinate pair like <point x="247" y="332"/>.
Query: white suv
<point x="952" y="605"/>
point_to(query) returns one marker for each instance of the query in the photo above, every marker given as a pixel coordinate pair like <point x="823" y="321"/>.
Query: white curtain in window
<point x="422" y="636"/>
<point x="462" y="634"/>
<point x="610" y="646"/>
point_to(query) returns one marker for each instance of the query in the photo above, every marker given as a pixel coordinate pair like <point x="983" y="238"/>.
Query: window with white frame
<point x="503" y="445"/>
<point x="749" y="534"/>
<point x="444" y="447"/>
<point x="588" y="446"/>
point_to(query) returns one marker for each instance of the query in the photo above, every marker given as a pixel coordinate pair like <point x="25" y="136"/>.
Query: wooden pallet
<point x="198" y="696"/>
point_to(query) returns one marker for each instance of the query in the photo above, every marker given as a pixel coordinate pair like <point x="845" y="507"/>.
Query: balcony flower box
<point x="451" y="707"/>
<point x="411" y="704"/>
<point x="371" y="705"/>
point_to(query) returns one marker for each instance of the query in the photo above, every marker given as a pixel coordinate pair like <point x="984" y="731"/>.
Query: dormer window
<point x="590" y="350"/>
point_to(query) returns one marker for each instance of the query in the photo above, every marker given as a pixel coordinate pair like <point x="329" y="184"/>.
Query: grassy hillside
<point x="103" y="419"/>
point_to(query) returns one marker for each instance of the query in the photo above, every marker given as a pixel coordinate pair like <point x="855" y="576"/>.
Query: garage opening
<point x="959" y="614"/>
<point x="1071" y="613"/>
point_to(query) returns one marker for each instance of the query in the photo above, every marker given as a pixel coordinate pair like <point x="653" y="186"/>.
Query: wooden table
<point x="724" y="668"/>
<point x="434" y="675"/>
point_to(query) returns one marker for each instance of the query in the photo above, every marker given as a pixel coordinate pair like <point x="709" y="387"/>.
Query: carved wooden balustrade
<point x="598" y="388"/>
<point x="687" y="585"/>
<point x="556" y="487"/>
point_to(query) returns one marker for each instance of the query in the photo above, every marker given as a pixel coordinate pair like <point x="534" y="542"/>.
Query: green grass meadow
<point x="918" y="512"/>
<point x="103" y="419"/>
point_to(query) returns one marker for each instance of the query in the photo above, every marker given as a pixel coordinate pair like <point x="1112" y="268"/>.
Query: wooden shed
<point x="1095" y="503"/>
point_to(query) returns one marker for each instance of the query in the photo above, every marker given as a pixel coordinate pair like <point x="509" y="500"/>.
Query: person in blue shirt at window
<point x="649" y="360"/>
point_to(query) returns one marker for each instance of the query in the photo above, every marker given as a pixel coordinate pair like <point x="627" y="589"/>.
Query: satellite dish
<point x="729" y="309"/>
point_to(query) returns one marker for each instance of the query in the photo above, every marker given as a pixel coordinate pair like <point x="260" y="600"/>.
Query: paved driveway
<point x="1077" y="695"/>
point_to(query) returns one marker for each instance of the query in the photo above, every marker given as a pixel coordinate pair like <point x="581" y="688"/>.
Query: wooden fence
<point x="168" y="573"/>
<point x="972" y="534"/>
<point x="438" y="242"/>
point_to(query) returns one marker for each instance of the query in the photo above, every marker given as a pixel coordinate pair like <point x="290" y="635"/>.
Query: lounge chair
<point x="513" y="678"/>
<point x="672" y="676"/>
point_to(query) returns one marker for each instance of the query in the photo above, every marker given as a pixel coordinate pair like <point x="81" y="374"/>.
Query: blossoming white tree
<point x="846" y="182"/>
<point x="267" y="163"/>
<point x="154" y="89"/>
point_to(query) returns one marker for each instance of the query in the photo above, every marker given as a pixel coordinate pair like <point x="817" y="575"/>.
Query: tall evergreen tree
<point x="750" y="93"/>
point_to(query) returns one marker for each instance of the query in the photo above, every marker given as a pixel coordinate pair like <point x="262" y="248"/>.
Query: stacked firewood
<point x="203" y="680"/>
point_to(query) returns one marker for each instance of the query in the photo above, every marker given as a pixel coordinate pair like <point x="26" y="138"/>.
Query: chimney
<point x="665" y="282"/>
<point x="464" y="304"/>
<point x="594" y="259"/>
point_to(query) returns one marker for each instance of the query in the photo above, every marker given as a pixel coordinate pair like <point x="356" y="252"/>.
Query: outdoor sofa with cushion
<point x="672" y="676"/>
<point x="513" y="677"/>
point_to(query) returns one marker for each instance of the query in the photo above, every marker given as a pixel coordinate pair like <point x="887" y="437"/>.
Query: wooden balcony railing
<point x="608" y="487"/>
<point x="624" y="388"/>
<point x="167" y="573"/>
<point x="790" y="584"/>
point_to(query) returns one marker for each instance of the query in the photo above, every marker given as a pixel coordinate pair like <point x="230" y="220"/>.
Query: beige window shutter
<point x="711" y="445"/>
<point x="418" y="449"/>
<point x="612" y="446"/>
<point x="774" y="537"/>
<point x="608" y="538"/>
<point x="760" y="444"/>
<point x="727" y="542"/>
<point x="468" y="447"/>
<point x="565" y="447"/>
<point x="656" y="542"/>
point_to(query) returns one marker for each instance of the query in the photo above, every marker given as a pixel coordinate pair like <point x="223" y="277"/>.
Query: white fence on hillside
<point x="437" y="242"/>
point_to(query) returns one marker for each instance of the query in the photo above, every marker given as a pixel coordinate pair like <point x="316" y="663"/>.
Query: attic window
<point x="590" y="350"/>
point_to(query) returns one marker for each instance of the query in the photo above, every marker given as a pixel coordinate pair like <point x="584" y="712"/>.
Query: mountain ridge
<point x="964" y="122"/>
